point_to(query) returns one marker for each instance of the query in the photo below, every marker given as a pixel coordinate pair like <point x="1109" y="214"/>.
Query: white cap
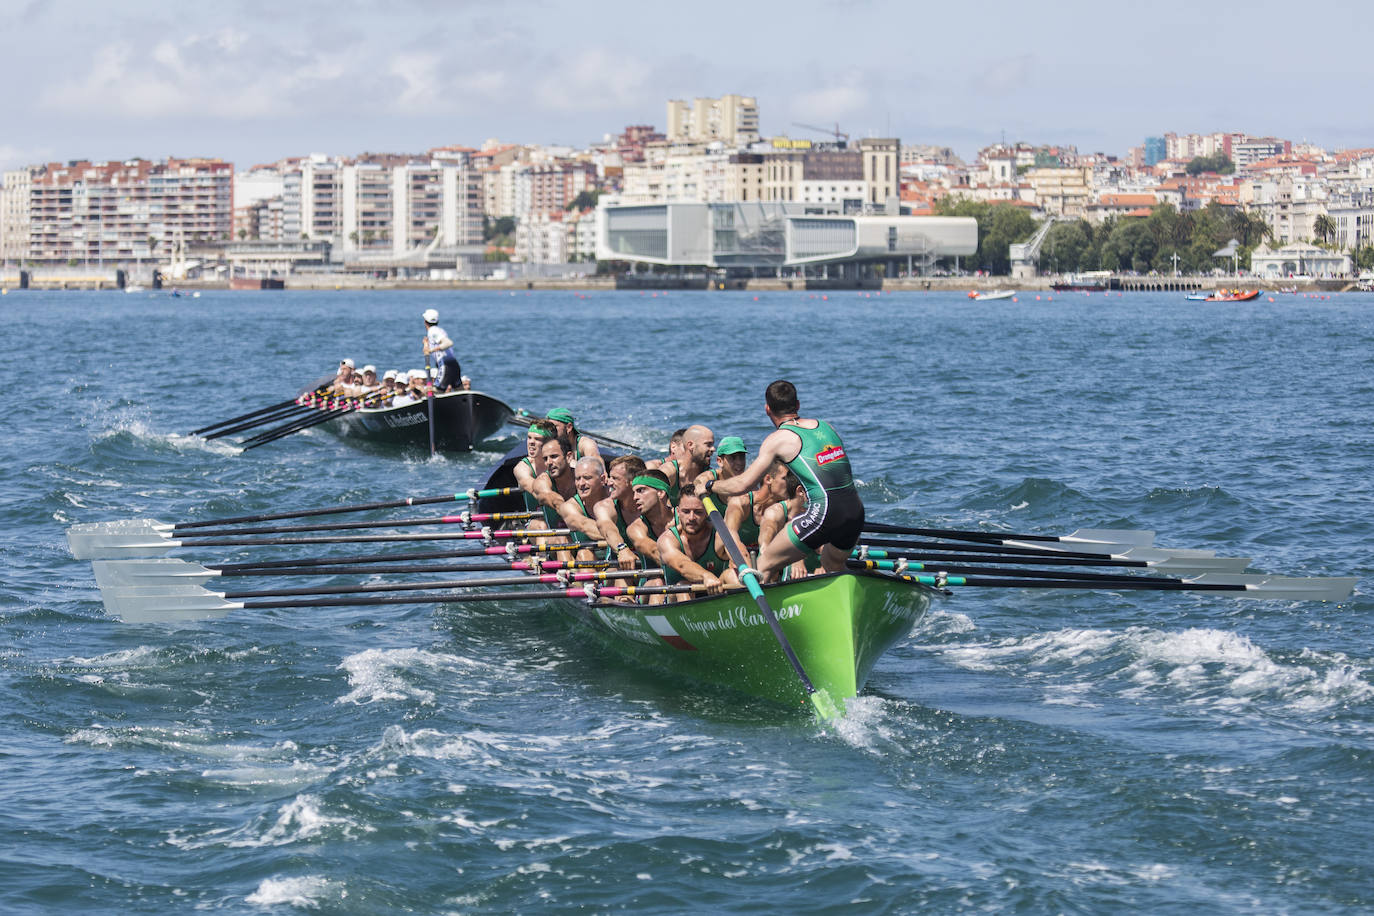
<point x="417" y="373"/>
<point x="431" y="316"/>
<point x="389" y="374"/>
<point x="372" y="369"/>
<point x="346" y="362"/>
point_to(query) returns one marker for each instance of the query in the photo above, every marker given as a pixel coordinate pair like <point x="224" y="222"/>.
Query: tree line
<point x="1129" y="243"/>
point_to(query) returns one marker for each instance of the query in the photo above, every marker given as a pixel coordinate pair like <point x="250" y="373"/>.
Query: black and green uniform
<point x="811" y="561"/>
<point x="834" y="513"/>
<point x="708" y="560"/>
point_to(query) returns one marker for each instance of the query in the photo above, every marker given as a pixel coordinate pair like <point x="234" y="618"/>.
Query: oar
<point x="463" y="518"/>
<point x="429" y="398"/>
<point x="147" y="542"/>
<point x="1083" y="537"/>
<point x="1288" y="588"/>
<point x="470" y="495"/>
<point x="524" y="418"/>
<point x="86" y="545"/>
<point x="296" y="410"/>
<point x="246" y="416"/>
<point x="282" y="432"/>
<point x="1154" y="553"/>
<point x="902" y="566"/>
<point x="821" y="701"/>
<point x="163" y="608"/>
<point x="1136" y="558"/>
<point x="155" y="571"/>
<point x="183" y="589"/>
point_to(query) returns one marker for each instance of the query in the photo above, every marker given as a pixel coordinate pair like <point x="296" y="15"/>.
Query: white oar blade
<point x="170" y="604"/>
<point x="113" y="540"/>
<point x="150" y="572"/>
<point x="1292" y="588"/>
<point x="1086" y="536"/>
<point x="1178" y="564"/>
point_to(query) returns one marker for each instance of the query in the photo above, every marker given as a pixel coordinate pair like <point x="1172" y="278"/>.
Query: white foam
<point x="305" y="891"/>
<point x="379" y="674"/>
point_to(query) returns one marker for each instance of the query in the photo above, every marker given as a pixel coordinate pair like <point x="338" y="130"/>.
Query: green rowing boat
<point x="839" y="624"/>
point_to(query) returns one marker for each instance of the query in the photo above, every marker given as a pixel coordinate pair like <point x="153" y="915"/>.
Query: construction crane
<point x="841" y="137"/>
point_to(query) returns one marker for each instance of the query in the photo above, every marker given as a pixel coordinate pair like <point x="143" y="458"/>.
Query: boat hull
<point x="461" y="420"/>
<point x="839" y="625"/>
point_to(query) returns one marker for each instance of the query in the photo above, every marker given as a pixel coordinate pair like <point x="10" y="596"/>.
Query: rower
<point x="561" y="418"/>
<point x="745" y="514"/>
<point x="417" y="389"/>
<point x="698" y="443"/>
<point x="528" y="469"/>
<point x="779" y="514"/>
<point x="814" y="452"/>
<point x="342" y="378"/>
<point x="616" y="514"/>
<point x="674" y="450"/>
<point x="368" y="383"/>
<point x="438" y="344"/>
<point x="650" y="491"/>
<point x="731" y="458"/>
<point x="556" y="484"/>
<point x="692" y="551"/>
<point x="579" y="513"/>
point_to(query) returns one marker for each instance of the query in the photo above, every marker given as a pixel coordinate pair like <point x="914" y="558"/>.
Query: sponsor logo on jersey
<point x="834" y="453"/>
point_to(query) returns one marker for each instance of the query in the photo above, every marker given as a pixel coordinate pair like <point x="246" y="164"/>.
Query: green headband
<point x="650" y="482"/>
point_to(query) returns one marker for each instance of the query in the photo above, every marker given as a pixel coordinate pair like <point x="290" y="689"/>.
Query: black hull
<point x="461" y="420"/>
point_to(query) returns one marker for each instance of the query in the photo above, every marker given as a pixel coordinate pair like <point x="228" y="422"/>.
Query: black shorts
<point x="450" y="374"/>
<point x="836" y="520"/>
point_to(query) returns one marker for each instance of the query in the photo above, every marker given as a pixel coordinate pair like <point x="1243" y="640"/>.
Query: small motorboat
<point x="991" y="295"/>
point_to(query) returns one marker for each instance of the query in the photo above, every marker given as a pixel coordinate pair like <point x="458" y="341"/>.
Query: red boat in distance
<point x="1233" y="295"/>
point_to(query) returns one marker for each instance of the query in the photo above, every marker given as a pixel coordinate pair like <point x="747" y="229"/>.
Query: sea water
<point x="1019" y="751"/>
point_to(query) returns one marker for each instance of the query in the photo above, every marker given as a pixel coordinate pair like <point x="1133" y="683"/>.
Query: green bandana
<point x="650" y="482"/>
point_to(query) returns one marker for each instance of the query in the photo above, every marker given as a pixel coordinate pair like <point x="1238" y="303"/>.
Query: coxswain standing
<point x="813" y="451"/>
<point x="439" y="345"/>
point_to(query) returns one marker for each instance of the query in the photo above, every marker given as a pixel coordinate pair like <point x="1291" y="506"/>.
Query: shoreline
<point x="10" y="284"/>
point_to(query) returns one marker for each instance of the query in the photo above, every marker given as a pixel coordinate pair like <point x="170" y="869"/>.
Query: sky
<point x="254" y="81"/>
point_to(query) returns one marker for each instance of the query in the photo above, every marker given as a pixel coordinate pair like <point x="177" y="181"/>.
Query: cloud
<point x="595" y="79"/>
<point x="1006" y="74"/>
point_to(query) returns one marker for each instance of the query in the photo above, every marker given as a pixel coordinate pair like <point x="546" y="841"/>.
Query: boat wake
<point x="302" y="892"/>
<point x="1201" y="667"/>
<point x="129" y="430"/>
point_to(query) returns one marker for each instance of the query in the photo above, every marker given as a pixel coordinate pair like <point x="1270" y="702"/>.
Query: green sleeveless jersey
<point x="709" y="559"/>
<point x="821" y="465"/>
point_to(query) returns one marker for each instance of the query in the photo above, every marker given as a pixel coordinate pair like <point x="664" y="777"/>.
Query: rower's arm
<point x="673" y="558"/>
<point x="524" y="477"/>
<point x="734" y="517"/>
<point x="547" y="493"/>
<point x="742" y="483"/>
<point x="641" y="542"/>
<point x="610" y="532"/>
<point x="770" y="524"/>
<point x="588" y="448"/>
<point x="576" y="519"/>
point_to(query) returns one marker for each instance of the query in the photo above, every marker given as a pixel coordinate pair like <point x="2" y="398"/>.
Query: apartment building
<point x="732" y="119"/>
<point x="15" y="186"/>
<point x="116" y="211"/>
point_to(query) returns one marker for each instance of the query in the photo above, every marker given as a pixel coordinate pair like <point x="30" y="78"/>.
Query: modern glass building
<point x="774" y="234"/>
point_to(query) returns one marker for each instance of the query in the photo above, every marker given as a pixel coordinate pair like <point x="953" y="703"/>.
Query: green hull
<point x="838" y="624"/>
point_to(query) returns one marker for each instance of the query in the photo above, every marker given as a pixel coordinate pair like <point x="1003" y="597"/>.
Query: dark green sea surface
<point x="1020" y="751"/>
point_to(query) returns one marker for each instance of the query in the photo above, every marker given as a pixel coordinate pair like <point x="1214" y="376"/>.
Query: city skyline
<point x="251" y="82"/>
